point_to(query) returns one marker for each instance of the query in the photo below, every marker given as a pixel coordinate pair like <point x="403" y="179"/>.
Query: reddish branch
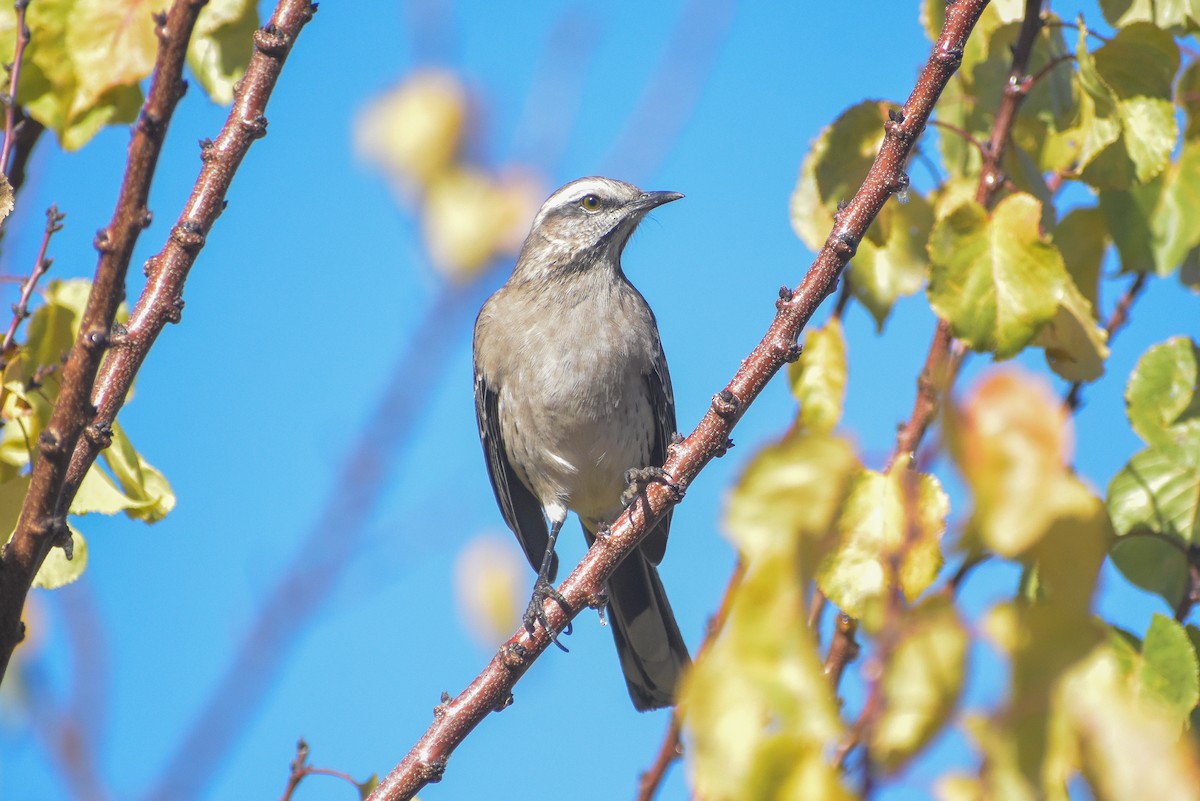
<point x="21" y="307"/>
<point x="14" y="74"/>
<point x="43" y="523"/>
<point x="492" y="689"/>
<point x="300" y="769"/>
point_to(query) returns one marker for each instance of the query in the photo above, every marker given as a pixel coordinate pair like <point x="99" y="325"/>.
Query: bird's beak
<point x="652" y="200"/>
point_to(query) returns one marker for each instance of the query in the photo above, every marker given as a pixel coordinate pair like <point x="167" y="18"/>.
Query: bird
<point x="573" y="400"/>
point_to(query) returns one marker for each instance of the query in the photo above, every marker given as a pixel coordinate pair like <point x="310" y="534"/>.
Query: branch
<point x="492" y="689"/>
<point x="43" y="515"/>
<point x="14" y="74"/>
<point x="21" y="307"/>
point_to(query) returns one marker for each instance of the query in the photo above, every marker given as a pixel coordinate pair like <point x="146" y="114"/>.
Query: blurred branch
<point x="492" y="689"/>
<point x="42" y="523"/>
<point x="14" y="75"/>
<point x="672" y="90"/>
<point x="41" y="265"/>
<point x="1116" y="321"/>
<point x="69" y="731"/>
<point x="320" y="560"/>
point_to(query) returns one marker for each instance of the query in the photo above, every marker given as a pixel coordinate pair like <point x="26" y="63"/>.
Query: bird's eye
<point x="590" y="203"/>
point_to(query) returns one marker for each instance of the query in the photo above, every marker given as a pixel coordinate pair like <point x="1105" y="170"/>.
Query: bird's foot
<point x="638" y="478"/>
<point x="536" y="612"/>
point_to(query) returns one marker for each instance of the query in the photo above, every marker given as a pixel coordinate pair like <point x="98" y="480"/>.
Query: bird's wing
<point x="662" y="402"/>
<point x="520" y="508"/>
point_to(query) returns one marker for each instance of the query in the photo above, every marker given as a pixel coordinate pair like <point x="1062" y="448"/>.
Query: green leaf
<point x="221" y="45"/>
<point x="1127" y="117"/>
<point x="1156" y="225"/>
<point x="791" y="490"/>
<point x="996" y="281"/>
<point x="839" y="159"/>
<point x="1168" y="674"/>
<point x="921" y="683"/>
<point x="99" y="494"/>
<point x="111" y="44"/>
<point x="898" y="516"/>
<point x="1159" y="491"/>
<point x="1076" y="347"/>
<point x="1155" y="563"/>
<point x="73" y="98"/>
<point x="1163" y="394"/>
<point x="892" y="260"/>
<point x="366" y="788"/>
<point x="1082" y="237"/>
<point x="818" y="378"/>
<point x="151" y="496"/>
<point x="1175" y="15"/>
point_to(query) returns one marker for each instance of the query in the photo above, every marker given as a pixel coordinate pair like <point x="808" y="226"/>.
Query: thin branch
<point x="492" y="689"/>
<point x="1058" y="23"/>
<point x="843" y="648"/>
<point x="962" y="133"/>
<point x="14" y="74"/>
<point x="301" y="769"/>
<point x="21" y="307"/>
<point x="1116" y="321"/>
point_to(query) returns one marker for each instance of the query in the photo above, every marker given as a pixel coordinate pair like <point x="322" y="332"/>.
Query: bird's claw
<point x="536" y="612"/>
<point x="638" y="478"/>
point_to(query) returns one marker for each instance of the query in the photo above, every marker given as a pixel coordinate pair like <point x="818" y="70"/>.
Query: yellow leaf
<point x="489" y="582"/>
<point x="818" y="379"/>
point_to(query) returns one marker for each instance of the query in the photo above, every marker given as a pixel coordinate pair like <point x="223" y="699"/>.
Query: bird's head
<point x="586" y="222"/>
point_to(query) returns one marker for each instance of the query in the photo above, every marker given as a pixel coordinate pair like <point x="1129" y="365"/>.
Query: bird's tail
<point x="652" y="651"/>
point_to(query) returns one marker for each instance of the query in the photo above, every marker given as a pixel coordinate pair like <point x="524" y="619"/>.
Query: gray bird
<point x="571" y="392"/>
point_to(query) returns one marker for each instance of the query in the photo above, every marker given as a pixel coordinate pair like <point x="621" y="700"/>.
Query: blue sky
<point x="309" y="290"/>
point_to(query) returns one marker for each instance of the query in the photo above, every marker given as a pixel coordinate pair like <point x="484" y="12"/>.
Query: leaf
<point x="72" y="100"/>
<point x="1155" y="563"/>
<point x="921" y="683"/>
<point x="1158" y="491"/>
<point x="1127" y="118"/>
<point x="996" y="281"/>
<point x="890" y="261"/>
<point x="366" y="788"/>
<point x="818" y="378"/>
<point x="151" y="496"/>
<point x="1082" y="237"/>
<point x="221" y="45"/>
<point x="111" y="44"/>
<point x="6" y="197"/>
<point x="1156" y="225"/>
<point x="1175" y="15"/>
<point x="415" y="130"/>
<point x="1168" y="674"/>
<point x="1163" y="394"/>
<point x="1187" y="95"/>
<point x="897" y="516"/>
<point x="834" y="168"/>
<point x="791" y="490"/>
<point x="472" y="218"/>
<point x="896" y="265"/>
<point x="1011" y="441"/>
<point x="99" y="494"/>
<point x="1076" y="347"/>
<point x="489" y="585"/>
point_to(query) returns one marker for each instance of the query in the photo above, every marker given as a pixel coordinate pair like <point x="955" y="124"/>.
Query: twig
<point x="672" y="746"/>
<point x="21" y="307"/>
<point x="963" y="134"/>
<point x="300" y="769"/>
<point x="492" y="688"/>
<point x="843" y="648"/>
<point x="1116" y="321"/>
<point x="14" y="73"/>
